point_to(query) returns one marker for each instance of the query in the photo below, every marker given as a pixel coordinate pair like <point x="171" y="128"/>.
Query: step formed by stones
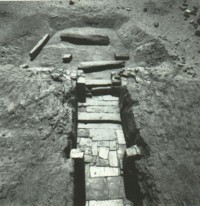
<point x="118" y="202"/>
<point x="104" y="171"/>
<point x="38" y="47"/>
<point x="98" y="83"/>
<point x="102" y="134"/>
<point x="102" y="109"/>
<point x="85" y="39"/>
<point x="93" y="102"/>
<point x="98" y="117"/>
<point x="100" y="65"/>
<point x="99" y="126"/>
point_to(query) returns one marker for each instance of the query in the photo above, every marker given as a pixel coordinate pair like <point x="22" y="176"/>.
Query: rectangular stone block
<point x="38" y="47"/>
<point x="102" y="134"/>
<point x="113" y="145"/>
<point x="85" y="39"/>
<point x="83" y="133"/>
<point x="100" y="65"/>
<point x="102" y="162"/>
<point x="107" y="126"/>
<point x="120" y="137"/>
<point x="98" y="83"/>
<point x="98" y="117"/>
<point x="102" y="90"/>
<point x="102" y="109"/>
<point x="67" y="58"/>
<point x="76" y="154"/>
<point x="113" y="160"/>
<point x="110" y="98"/>
<point x="96" y="102"/>
<point x="118" y="202"/>
<point x="133" y="151"/>
<point x="103" y="152"/>
<point x="85" y="142"/>
<point x="94" y="148"/>
<point x="103" y="144"/>
<point x="104" y="171"/>
<point x="121" y="55"/>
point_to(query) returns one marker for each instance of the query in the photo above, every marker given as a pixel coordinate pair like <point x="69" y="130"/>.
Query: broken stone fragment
<point x="76" y="153"/>
<point x="133" y="151"/>
<point x="121" y="56"/>
<point x="85" y="39"/>
<point x="187" y="13"/>
<point x="197" y="33"/>
<point x="67" y="58"/>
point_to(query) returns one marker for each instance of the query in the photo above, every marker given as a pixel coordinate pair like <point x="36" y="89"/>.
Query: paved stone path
<point x="101" y="140"/>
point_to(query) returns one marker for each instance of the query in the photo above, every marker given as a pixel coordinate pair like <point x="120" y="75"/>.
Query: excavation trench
<point x="104" y="172"/>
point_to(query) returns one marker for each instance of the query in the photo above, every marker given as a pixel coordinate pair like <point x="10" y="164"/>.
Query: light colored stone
<point x="110" y="98"/>
<point x="94" y="148"/>
<point x="133" y="151"/>
<point x="83" y="133"/>
<point x="104" y="171"/>
<point x="118" y="202"/>
<point x="113" y="145"/>
<point x="102" y="109"/>
<point x="67" y="58"/>
<point x="121" y="151"/>
<point x="76" y="153"/>
<point x="120" y="137"/>
<point x="87" y="203"/>
<point x="113" y="160"/>
<point x="107" y="126"/>
<point x="98" y="83"/>
<point x="98" y="117"/>
<point x="96" y="102"/>
<point x="102" y="134"/>
<point x="103" y="152"/>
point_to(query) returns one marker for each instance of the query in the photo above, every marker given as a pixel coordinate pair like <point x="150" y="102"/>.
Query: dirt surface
<point x="163" y="106"/>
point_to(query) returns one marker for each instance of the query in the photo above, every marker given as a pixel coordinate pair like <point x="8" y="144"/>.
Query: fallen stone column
<point x="38" y="47"/>
<point x="84" y="39"/>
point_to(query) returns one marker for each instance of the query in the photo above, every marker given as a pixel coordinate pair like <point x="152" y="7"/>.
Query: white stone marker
<point x="103" y="152"/>
<point x="76" y="153"/>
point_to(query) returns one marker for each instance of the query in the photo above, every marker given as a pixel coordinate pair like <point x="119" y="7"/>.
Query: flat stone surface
<point x="102" y="109"/>
<point x="98" y="117"/>
<point x="120" y="137"/>
<point x="133" y="151"/>
<point x="94" y="148"/>
<point x="67" y="58"/>
<point x="104" y="171"/>
<point x="107" y="203"/>
<point x="116" y="187"/>
<point x="107" y="126"/>
<point x="96" y="102"/>
<point x="76" y="153"/>
<point x="85" y="39"/>
<point x="102" y="162"/>
<point x="98" y="82"/>
<point x="96" y="189"/>
<point x="89" y="159"/>
<point x="102" y="134"/>
<point x="110" y="98"/>
<point x="113" y="145"/>
<point x="100" y="65"/>
<point x="103" y="152"/>
<point x="113" y="160"/>
<point x="121" y="151"/>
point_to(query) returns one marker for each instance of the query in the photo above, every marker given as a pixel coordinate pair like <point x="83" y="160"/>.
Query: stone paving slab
<point x="110" y="98"/>
<point x="104" y="171"/>
<point x="116" y="187"/>
<point x="94" y="148"/>
<point x="118" y="202"/>
<point x="120" y="137"/>
<point x="98" y="117"/>
<point x="102" y="134"/>
<point x="98" y="83"/>
<point x="97" y="189"/>
<point x="113" y="145"/>
<point x="102" y="162"/>
<point x="85" y="142"/>
<point x="96" y="102"/>
<point x="102" y="109"/>
<point x="83" y="133"/>
<point x="113" y="160"/>
<point x="107" y="126"/>
<point x="103" y="152"/>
